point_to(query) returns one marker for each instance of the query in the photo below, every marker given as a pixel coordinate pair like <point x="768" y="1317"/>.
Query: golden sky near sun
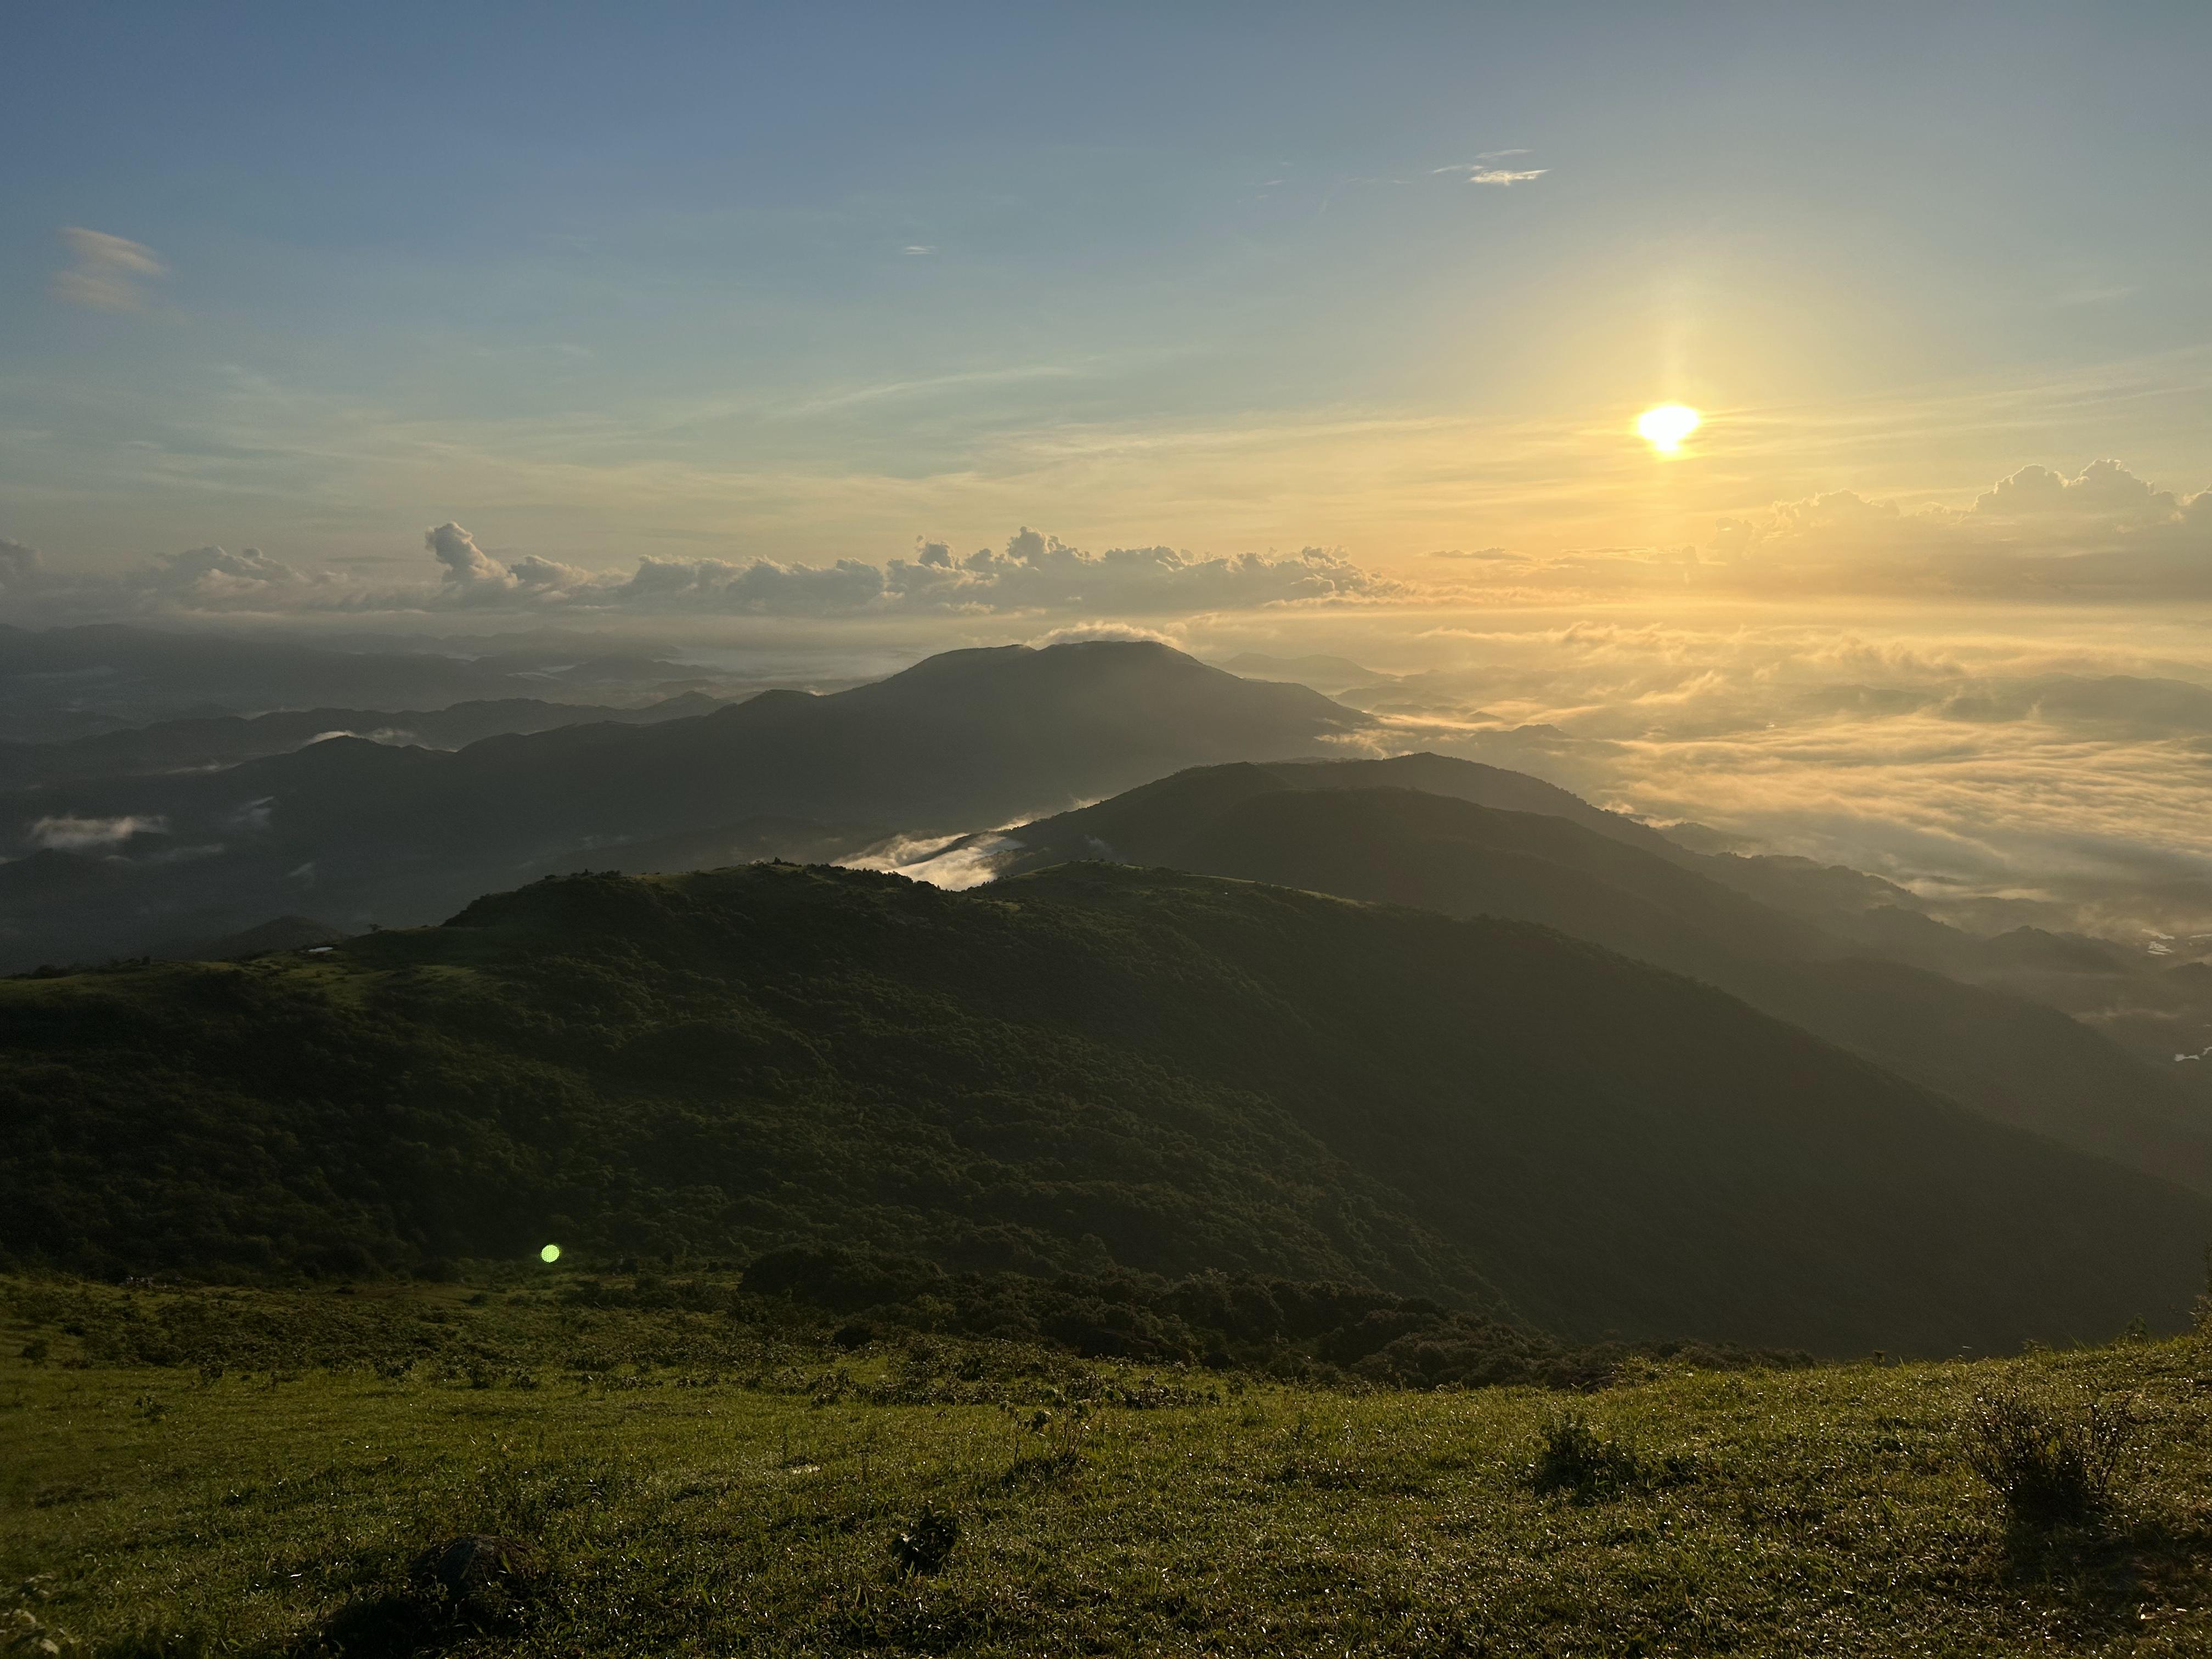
<point x="1408" y="290"/>
<point x="1667" y="426"/>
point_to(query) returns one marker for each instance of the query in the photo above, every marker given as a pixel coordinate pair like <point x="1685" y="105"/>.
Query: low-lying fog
<point x="2049" y="757"/>
<point x="2020" y="752"/>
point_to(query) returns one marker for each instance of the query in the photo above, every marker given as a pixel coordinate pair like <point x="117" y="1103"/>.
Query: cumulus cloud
<point x="2101" y="533"/>
<point x="102" y="270"/>
<point x="530" y="573"/>
<point x="2105" y="493"/>
<point x="466" y="564"/>
<point x="1032" y="573"/>
<point x="1038" y="572"/>
<point x="210" y="578"/>
<point x="199" y="579"/>
<point x="474" y="574"/>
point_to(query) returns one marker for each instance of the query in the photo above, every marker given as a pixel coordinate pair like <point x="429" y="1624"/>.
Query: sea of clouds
<point x="2008" y="700"/>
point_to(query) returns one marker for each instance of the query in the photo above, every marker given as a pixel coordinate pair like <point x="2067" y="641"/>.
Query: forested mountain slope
<point x="1601" y="878"/>
<point x="1086" y="1067"/>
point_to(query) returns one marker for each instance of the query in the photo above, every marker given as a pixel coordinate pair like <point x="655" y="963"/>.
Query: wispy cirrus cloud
<point x="103" y="271"/>
<point x="1485" y="169"/>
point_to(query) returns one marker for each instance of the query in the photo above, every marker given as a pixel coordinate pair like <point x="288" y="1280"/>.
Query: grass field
<point x="695" y="1486"/>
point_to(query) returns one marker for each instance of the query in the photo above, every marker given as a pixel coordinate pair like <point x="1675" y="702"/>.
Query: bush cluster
<point x="1286" y="1329"/>
<point x="2050" y="1466"/>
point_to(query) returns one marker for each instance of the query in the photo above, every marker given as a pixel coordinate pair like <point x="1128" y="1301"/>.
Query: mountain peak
<point x="1063" y="661"/>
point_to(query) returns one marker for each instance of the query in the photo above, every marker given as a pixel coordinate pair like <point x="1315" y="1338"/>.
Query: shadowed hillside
<point x="1086" y="1067"/>
<point x="1557" y="861"/>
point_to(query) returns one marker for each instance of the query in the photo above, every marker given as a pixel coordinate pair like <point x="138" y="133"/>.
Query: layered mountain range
<point x="356" y="830"/>
<point x="1465" y="839"/>
<point x="1223" y="998"/>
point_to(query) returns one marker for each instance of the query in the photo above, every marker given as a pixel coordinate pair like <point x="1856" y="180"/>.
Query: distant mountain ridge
<point x="230" y="739"/>
<point x="1325" y="674"/>
<point x="61" y="683"/>
<point x="357" y="832"/>
<point x="1463" y="839"/>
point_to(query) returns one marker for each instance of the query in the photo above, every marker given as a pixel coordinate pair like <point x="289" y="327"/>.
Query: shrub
<point x="1576" y="1459"/>
<point x="2050" y="1466"/>
<point x="927" y="1544"/>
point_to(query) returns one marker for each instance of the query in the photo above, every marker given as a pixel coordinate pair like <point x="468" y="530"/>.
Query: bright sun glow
<point x="1665" y="426"/>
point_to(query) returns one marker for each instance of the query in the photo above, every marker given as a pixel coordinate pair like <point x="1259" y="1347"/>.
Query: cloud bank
<point x="2034" y="758"/>
<point x="1033" y="574"/>
<point x="2103" y="535"/>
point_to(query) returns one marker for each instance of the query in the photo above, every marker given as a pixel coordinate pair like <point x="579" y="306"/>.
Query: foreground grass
<point x="702" y="1489"/>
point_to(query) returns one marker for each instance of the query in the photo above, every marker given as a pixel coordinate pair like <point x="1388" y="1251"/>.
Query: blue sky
<point x="804" y="283"/>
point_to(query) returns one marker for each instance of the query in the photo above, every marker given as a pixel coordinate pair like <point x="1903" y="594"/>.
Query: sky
<point x="866" y="330"/>
<point x="810" y="283"/>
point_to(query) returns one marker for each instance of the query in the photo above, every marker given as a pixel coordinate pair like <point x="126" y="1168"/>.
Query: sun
<point x="1665" y="426"/>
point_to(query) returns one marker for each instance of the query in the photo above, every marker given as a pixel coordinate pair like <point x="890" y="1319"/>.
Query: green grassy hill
<point x="1089" y="1067"/>
<point x="679" y="1482"/>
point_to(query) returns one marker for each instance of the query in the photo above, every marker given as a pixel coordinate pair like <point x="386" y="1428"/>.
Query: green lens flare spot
<point x="550" y="1253"/>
